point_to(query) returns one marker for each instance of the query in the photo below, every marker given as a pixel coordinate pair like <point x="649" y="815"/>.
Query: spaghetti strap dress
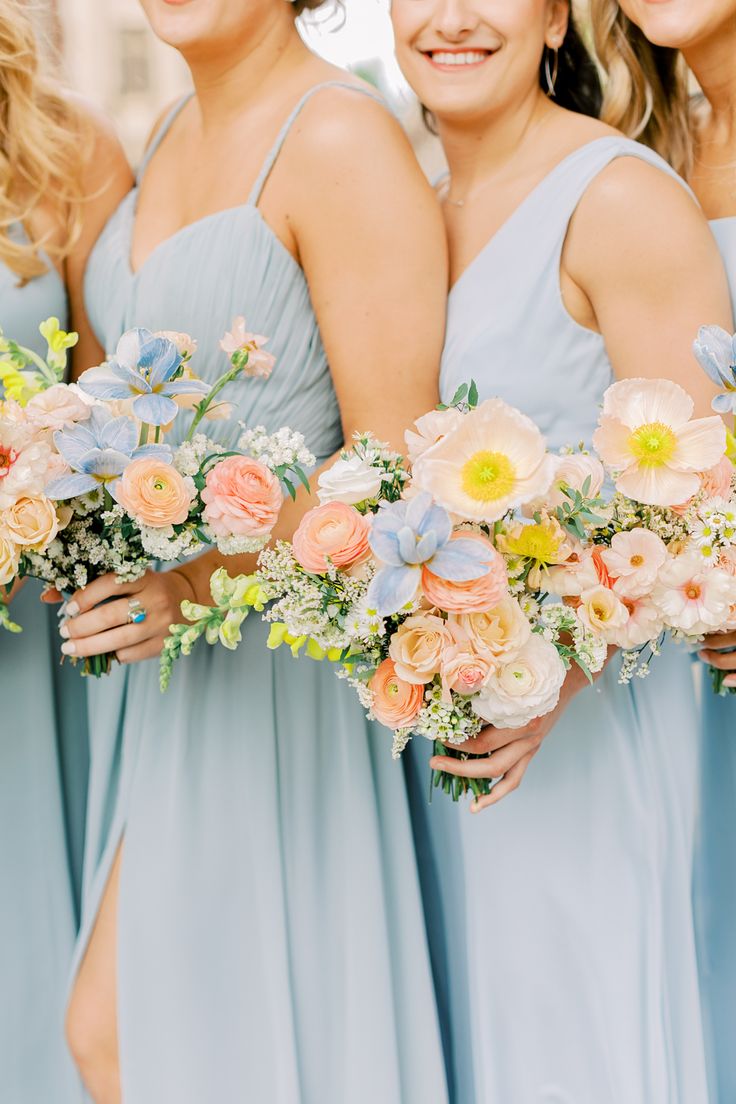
<point x="271" y="939"/>
<point x="561" y="919"/>
<point x="715" y="882"/>
<point x="43" y="785"/>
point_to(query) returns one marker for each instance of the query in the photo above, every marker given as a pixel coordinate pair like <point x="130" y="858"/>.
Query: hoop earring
<point x="550" y="72"/>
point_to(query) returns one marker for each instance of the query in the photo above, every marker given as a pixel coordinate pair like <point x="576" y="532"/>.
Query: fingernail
<point x="63" y="632"/>
<point x="72" y="608"/>
<point x="69" y="648"/>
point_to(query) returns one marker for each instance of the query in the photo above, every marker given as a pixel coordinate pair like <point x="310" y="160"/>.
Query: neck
<point x="228" y="78"/>
<point x="479" y="148"/>
<point x="712" y="63"/>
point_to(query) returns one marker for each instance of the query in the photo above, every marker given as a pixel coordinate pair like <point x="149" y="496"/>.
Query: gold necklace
<point x="498" y="176"/>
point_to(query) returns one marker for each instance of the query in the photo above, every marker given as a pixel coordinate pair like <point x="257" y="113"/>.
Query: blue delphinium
<point x="143" y="369"/>
<point x="715" y="350"/>
<point x="98" y="452"/>
<point x="408" y="535"/>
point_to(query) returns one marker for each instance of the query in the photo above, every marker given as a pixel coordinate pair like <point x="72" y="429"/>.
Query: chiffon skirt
<point x="272" y="944"/>
<point x="561" y="919"/>
<point x="715" y="887"/>
<point x="43" y="785"/>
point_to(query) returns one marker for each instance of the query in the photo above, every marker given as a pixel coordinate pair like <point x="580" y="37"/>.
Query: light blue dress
<point x="715" y="884"/>
<point x="561" y="918"/>
<point x="43" y="783"/>
<point x="271" y="935"/>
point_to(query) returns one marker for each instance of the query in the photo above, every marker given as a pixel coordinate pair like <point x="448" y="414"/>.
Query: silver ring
<point x="137" y="612"/>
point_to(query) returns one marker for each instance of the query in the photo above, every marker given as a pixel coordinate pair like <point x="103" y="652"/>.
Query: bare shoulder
<point x="636" y="191"/>
<point x="102" y="155"/>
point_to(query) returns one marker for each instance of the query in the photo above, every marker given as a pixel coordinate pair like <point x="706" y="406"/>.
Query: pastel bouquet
<point x="89" y="484"/>
<point x="428" y="589"/>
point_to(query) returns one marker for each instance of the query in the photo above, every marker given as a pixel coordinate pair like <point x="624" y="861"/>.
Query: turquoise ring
<point x="136" y="612"/>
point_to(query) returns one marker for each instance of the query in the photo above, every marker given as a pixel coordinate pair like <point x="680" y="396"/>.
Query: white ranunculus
<point x="527" y="687"/>
<point x="349" y="481"/>
<point x="571" y="471"/>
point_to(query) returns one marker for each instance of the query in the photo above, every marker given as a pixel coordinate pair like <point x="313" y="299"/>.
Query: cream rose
<point x="417" y="647"/>
<point x="349" y="481"/>
<point x="501" y="631"/>
<point x="31" y="522"/>
<point x="9" y="559"/>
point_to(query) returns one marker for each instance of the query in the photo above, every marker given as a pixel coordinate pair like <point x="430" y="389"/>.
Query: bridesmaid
<point x="576" y="257"/>
<point x="699" y="139"/>
<point x="253" y="927"/>
<point x="43" y="734"/>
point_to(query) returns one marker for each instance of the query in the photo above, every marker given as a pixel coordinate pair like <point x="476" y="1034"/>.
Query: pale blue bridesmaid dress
<point x="715" y="883"/>
<point x="561" y="919"/>
<point x="43" y="782"/>
<point x="271" y="936"/>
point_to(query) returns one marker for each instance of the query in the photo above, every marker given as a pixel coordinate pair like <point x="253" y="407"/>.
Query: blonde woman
<point x="52" y="156"/>
<point x="648" y="51"/>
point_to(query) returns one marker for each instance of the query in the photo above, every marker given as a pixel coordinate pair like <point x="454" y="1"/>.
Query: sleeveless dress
<point x="715" y="883"/>
<point x="561" y="919"/>
<point x="43" y="783"/>
<point x="271" y="936"/>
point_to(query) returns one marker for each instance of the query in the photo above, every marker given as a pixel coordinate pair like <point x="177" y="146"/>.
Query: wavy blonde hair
<point x="647" y="91"/>
<point x="40" y="137"/>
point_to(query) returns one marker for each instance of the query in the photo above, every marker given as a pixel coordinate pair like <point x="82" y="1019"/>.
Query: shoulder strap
<point x="270" y="161"/>
<point x="161" y="133"/>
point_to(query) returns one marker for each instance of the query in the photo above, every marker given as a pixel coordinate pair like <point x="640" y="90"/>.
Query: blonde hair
<point x="646" y="92"/>
<point x="40" y="136"/>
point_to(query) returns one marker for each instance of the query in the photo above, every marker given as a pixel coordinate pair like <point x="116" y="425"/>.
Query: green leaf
<point x="459" y="394"/>
<point x="473" y="395"/>
<point x="289" y="487"/>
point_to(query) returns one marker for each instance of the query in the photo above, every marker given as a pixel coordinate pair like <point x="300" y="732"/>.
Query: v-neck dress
<point x="569" y="967"/>
<point x="715" y="883"/>
<point x="271" y="935"/>
<point x="43" y="785"/>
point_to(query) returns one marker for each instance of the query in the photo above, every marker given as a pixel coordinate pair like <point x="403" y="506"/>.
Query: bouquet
<point x="88" y="484"/>
<point x="426" y="589"/>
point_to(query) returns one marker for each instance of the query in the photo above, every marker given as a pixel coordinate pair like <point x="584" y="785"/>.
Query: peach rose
<point x="396" y="703"/>
<point x="333" y="533"/>
<point x="154" y="493"/>
<point x="31" y="522"/>
<point x="473" y="596"/>
<point x="464" y="670"/>
<point x="417" y="647"/>
<point x="9" y="559"/>
<point x="242" y="498"/>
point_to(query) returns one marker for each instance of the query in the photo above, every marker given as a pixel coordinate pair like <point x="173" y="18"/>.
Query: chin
<point x="181" y="23"/>
<point x="677" y="24"/>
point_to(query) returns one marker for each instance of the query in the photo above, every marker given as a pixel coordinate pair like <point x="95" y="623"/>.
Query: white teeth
<point x="471" y="57"/>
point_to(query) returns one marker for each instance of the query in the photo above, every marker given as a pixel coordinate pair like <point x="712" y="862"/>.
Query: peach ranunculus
<point x="242" y="498"/>
<point x="417" y="647"/>
<point x="31" y="522"/>
<point x="648" y="437"/>
<point x="431" y="428"/>
<point x="502" y="631"/>
<point x="395" y="702"/>
<point x="332" y="534"/>
<point x="473" y="596"/>
<point x="9" y="558"/>
<point x="56" y="407"/>
<point x="154" y="493"/>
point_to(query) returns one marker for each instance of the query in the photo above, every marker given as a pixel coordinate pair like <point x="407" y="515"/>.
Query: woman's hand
<point x="714" y="654"/>
<point x="507" y="751"/>
<point x="99" y="618"/>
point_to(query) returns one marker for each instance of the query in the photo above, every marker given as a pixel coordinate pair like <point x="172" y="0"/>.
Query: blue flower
<point x="715" y="350"/>
<point x="407" y="535"/>
<point x="142" y="369"/>
<point x="98" y="452"/>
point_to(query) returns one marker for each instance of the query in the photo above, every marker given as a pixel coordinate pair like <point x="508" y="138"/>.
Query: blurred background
<point x="109" y="54"/>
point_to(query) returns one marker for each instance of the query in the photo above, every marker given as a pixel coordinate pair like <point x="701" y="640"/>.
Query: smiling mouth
<point x="457" y="59"/>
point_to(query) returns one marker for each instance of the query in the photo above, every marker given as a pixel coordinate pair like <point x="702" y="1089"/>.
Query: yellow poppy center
<point x="488" y="476"/>
<point x="535" y="542"/>
<point x="653" y="444"/>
